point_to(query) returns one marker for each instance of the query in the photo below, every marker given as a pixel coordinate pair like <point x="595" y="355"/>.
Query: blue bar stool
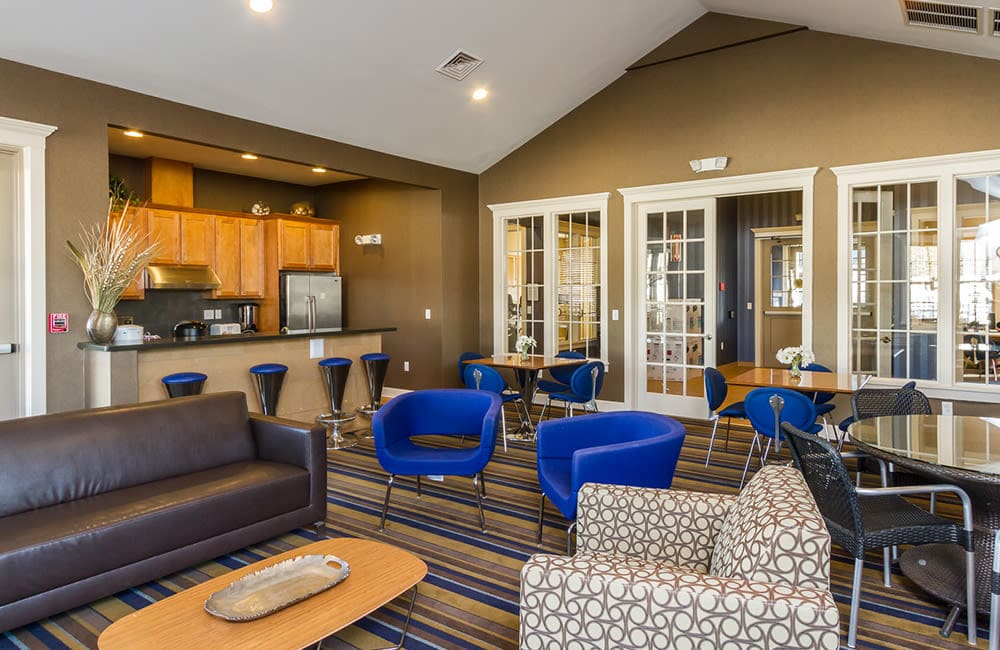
<point x="335" y="371"/>
<point x="268" y="377"/>
<point x="376" y="365"/>
<point x="181" y="384"/>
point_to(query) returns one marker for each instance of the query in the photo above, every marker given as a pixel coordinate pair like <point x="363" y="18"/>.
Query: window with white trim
<point x="550" y="275"/>
<point x="923" y="277"/>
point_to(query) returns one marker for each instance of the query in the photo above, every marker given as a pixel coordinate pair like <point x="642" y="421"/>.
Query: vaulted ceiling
<point x="363" y="72"/>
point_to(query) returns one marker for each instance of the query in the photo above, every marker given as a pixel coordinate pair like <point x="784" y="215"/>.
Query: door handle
<point x="708" y="337"/>
<point x="8" y="348"/>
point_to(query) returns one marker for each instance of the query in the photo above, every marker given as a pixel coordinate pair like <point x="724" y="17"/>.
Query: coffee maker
<point x="248" y="314"/>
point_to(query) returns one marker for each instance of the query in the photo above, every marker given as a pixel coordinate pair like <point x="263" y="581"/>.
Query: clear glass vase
<point x="795" y="369"/>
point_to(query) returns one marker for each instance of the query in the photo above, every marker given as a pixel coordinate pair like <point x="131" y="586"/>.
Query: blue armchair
<point x="448" y="412"/>
<point x="620" y="448"/>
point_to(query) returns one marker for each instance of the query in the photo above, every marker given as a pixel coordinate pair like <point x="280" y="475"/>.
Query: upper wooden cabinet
<point x="137" y="218"/>
<point x="308" y="245"/>
<point x="239" y="257"/>
<point x="185" y="237"/>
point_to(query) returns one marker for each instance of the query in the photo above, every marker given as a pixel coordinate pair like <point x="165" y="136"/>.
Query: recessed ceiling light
<point x="132" y="133"/>
<point x="319" y="170"/>
<point x="261" y="6"/>
<point x="248" y="156"/>
<point x="480" y="94"/>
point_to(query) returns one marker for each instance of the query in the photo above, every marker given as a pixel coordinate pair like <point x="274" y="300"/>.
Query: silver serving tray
<point x="276" y="587"/>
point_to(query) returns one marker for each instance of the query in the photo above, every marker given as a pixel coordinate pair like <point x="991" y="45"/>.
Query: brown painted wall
<point x="77" y="171"/>
<point x="394" y="283"/>
<point x="799" y="100"/>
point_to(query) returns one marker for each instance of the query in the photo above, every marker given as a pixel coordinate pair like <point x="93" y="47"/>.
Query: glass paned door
<point x="676" y="271"/>
<point x="578" y="287"/>
<point x="524" y="281"/>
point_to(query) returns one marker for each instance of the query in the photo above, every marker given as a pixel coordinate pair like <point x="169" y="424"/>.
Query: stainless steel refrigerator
<point x="310" y="301"/>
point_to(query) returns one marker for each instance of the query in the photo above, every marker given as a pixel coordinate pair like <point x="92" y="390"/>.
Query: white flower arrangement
<point x="525" y="344"/>
<point x="796" y="356"/>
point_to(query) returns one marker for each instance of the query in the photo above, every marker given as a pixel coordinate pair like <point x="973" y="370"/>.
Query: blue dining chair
<point x="716" y="390"/>
<point x="823" y="401"/>
<point x="791" y="406"/>
<point x="480" y="377"/>
<point x="584" y="386"/>
<point x="560" y="374"/>
<point x="436" y="412"/>
<point x="462" y="365"/>
<point x="620" y="448"/>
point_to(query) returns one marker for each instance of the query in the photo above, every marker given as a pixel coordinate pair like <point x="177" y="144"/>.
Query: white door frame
<point x="780" y="181"/>
<point x="27" y="141"/>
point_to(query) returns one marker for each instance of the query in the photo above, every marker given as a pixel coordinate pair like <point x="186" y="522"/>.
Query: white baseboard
<point x="388" y="392"/>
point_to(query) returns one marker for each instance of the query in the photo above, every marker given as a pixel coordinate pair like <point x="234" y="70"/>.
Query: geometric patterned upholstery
<point x="774" y="534"/>
<point x="640" y="577"/>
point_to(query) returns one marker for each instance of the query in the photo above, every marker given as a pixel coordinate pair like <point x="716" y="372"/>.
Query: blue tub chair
<point x="448" y="412"/>
<point x="621" y="448"/>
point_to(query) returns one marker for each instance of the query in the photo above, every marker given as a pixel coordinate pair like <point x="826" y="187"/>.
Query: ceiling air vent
<point x="459" y="65"/>
<point x="941" y="15"/>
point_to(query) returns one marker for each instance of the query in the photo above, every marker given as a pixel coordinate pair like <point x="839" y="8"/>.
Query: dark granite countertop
<point x="159" y="344"/>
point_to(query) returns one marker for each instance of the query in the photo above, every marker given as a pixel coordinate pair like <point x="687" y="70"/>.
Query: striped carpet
<point x="470" y="596"/>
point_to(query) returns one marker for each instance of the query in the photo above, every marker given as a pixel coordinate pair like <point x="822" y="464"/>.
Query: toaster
<point x="216" y="329"/>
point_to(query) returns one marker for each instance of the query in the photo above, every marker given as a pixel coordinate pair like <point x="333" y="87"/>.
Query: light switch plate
<point x="208" y="314"/>
<point x="218" y="314"/>
<point x="614" y="314"/>
<point x="406" y="366"/>
<point x="315" y="348"/>
<point x="427" y="314"/>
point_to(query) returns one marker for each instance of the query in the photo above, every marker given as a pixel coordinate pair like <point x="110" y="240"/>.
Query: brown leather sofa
<point x="99" y="500"/>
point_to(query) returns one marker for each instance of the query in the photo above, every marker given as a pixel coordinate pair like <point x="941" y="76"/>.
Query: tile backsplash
<point x="162" y="308"/>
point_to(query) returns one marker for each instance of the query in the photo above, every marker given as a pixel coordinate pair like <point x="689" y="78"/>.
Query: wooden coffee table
<point x="379" y="574"/>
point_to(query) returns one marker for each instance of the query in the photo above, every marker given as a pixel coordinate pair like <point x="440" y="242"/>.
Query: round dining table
<point x="960" y="450"/>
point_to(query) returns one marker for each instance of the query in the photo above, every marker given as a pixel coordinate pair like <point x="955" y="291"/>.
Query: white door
<point x="676" y="279"/>
<point x="10" y="367"/>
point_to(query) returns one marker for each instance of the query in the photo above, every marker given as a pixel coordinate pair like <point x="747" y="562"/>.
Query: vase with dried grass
<point x="111" y="254"/>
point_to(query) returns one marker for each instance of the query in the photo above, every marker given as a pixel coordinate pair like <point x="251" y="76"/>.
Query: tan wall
<point x="76" y="192"/>
<point x="391" y="285"/>
<point x="799" y="100"/>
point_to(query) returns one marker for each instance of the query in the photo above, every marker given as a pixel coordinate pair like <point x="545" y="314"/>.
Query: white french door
<point x="675" y="299"/>
<point x="10" y="320"/>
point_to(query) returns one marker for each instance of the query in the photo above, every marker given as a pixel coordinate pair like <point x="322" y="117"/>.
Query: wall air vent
<point x="942" y="15"/>
<point x="459" y="65"/>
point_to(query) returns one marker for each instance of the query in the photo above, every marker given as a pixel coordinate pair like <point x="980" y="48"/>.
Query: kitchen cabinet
<point x="137" y="218"/>
<point x="185" y="237"/>
<point x="308" y="245"/>
<point x="239" y="257"/>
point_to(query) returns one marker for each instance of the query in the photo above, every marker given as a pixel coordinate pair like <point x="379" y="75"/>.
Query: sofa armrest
<point x="591" y="600"/>
<point x="678" y="526"/>
<point x="294" y="443"/>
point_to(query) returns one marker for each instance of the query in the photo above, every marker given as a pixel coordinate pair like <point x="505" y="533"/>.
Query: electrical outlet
<point x="209" y="314"/>
<point x="315" y="348"/>
<point x="946" y="408"/>
<point x="406" y="366"/>
<point x="427" y="314"/>
<point x="749" y="306"/>
<point x="614" y="314"/>
<point x="218" y="314"/>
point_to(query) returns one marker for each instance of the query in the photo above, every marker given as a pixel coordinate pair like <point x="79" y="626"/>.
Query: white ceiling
<point x="362" y="72"/>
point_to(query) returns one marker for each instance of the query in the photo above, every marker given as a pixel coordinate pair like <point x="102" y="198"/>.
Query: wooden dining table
<point x="818" y="382"/>
<point x="526" y="371"/>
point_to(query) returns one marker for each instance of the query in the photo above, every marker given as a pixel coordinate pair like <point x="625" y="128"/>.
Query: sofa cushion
<point x="774" y="533"/>
<point x="46" y="548"/>
<point x="58" y="458"/>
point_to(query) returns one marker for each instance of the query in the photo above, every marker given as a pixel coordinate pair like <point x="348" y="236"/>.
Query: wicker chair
<point x="862" y="519"/>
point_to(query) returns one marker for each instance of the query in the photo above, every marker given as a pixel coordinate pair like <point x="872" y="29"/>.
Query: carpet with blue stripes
<point x="470" y="596"/>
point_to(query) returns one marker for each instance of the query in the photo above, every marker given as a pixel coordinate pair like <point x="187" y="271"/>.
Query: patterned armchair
<point x="679" y="569"/>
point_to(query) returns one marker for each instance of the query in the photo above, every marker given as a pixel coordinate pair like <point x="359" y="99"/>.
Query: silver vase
<point x="101" y="326"/>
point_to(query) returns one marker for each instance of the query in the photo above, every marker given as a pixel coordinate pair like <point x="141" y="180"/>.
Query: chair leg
<point x="482" y="485"/>
<point x="479" y="502"/>
<point x="385" y="504"/>
<point x="569" y="539"/>
<point x="886" y="570"/>
<point x="711" y="441"/>
<point x="970" y="594"/>
<point x="545" y="406"/>
<point x="418" y="487"/>
<point x="746" y="468"/>
<point x="852" y="627"/>
<point x="503" y="429"/>
<point x="541" y="518"/>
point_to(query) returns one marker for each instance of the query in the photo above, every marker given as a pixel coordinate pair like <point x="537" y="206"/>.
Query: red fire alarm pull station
<point x="58" y="323"/>
<point x="722" y="286"/>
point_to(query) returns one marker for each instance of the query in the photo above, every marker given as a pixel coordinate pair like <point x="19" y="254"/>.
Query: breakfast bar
<point x="125" y="374"/>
